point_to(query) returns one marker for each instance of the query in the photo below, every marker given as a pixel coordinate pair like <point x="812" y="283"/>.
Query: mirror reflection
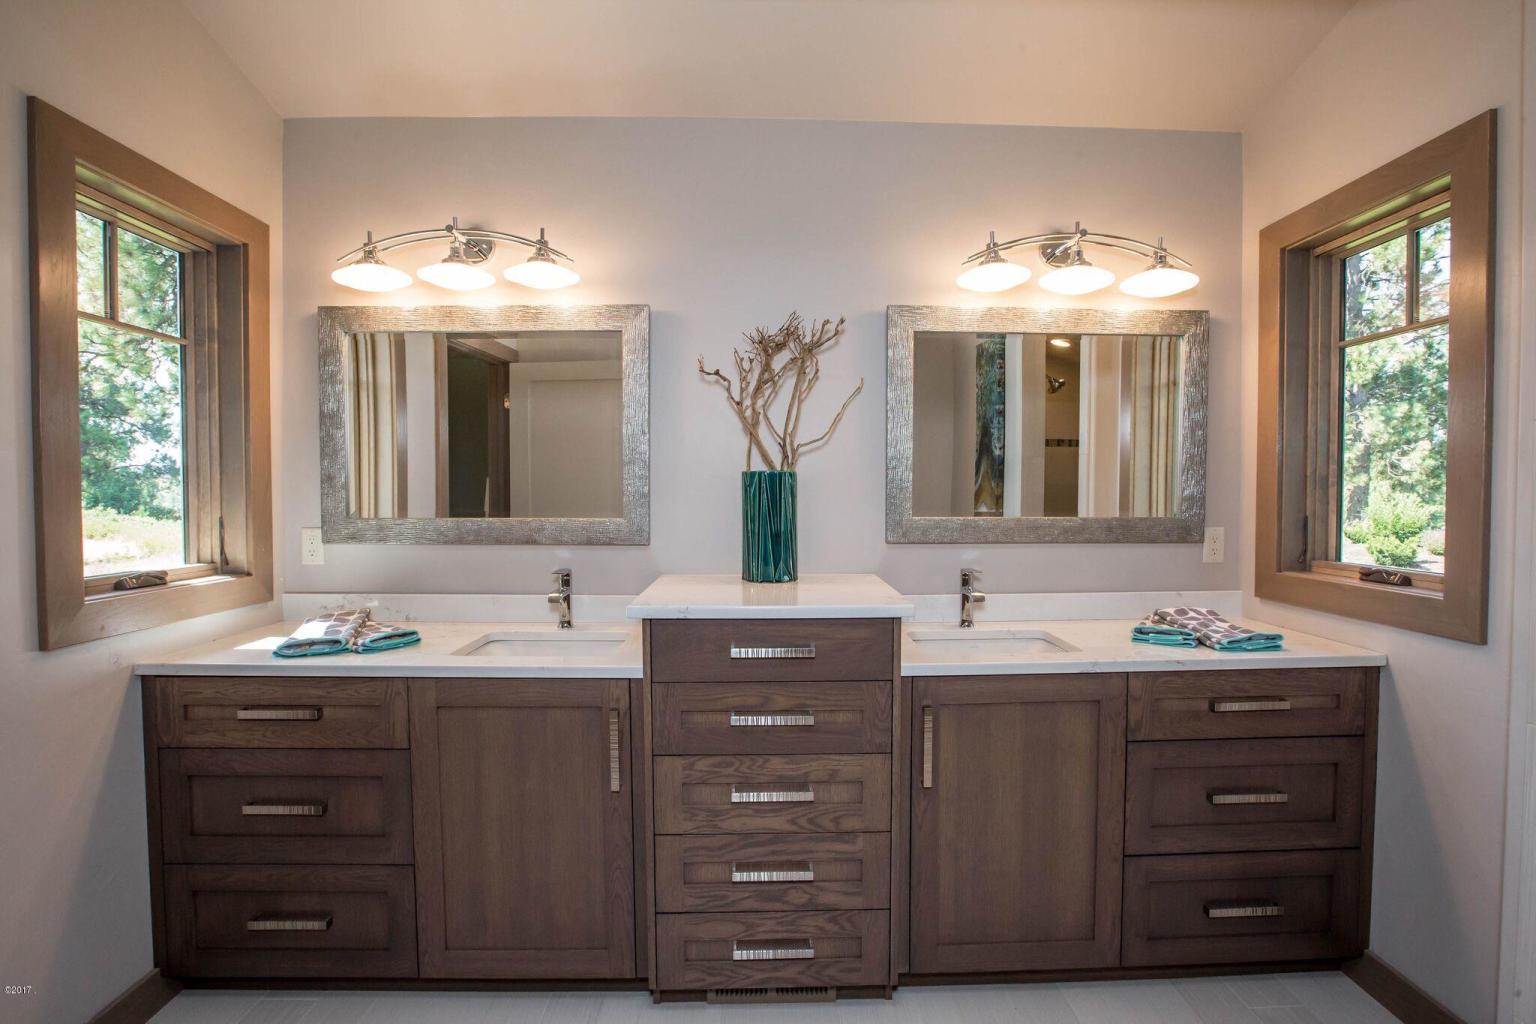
<point x="514" y="424"/>
<point x="1073" y="425"/>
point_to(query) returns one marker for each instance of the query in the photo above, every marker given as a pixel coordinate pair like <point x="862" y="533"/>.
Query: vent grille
<point x="776" y="994"/>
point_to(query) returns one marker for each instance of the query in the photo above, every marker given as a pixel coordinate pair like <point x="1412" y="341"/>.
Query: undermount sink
<point x="999" y="640"/>
<point x="512" y="643"/>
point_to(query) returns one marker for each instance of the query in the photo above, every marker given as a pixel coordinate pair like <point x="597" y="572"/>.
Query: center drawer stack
<point x="772" y="802"/>
<point x="1247" y="814"/>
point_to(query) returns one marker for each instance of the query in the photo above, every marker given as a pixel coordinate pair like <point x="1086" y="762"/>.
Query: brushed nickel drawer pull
<point x="615" y="781"/>
<point x="772" y="652"/>
<point x="277" y="715"/>
<point x="1222" y="909"/>
<point x="801" y="872"/>
<point x="790" y="949"/>
<point x="1255" y="704"/>
<point x="274" y="810"/>
<point x="772" y="719"/>
<point x="1225" y="798"/>
<point x="759" y="795"/>
<point x="289" y="923"/>
<point x="927" y="748"/>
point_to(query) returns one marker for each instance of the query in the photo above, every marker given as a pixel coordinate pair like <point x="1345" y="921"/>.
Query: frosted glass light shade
<point x="541" y="272"/>
<point x="370" y="275"/>
<point x="457" y="275"/>
<point x="1077" y="279"/>
<point x="1159" y="282"/>
<point x="995" y="276"/>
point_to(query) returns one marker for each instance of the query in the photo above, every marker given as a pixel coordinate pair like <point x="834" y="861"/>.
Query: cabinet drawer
<point x="1247" y="703"/>
<point x="287" y="922"/>
<point x="773" y="793"/>
<point x="721" y="650"/>
<point x="235" y="711"/>
<point x="820" y="872"/>
<point x="286" y="806"/>
<point x="1241" y="908"/>
<point x="704" y="951"/>
<point x="1209" y="796"/>
<point x="772" y="718"/>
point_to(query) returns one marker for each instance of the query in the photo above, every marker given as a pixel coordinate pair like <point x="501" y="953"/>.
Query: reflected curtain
<point x="1155" y="413"/>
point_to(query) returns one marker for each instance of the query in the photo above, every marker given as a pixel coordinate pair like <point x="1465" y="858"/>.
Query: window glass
<point x="148" y="284"/>
<point x="1376" y="289"/>
<point x="91" y="263"/>
<point x="1434" y="244"/>
<point x="1394" y="400"/>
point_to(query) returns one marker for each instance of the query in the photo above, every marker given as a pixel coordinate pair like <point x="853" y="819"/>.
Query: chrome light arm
<point x="477" y="243"/>
<point x="1055" y="245"/>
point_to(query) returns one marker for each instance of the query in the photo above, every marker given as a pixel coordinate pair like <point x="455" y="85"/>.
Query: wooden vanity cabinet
<point x="1017" y="810"/>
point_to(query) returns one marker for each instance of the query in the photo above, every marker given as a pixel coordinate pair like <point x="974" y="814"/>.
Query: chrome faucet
<point x="561" y="596"/>
<point x="970" y="597"/>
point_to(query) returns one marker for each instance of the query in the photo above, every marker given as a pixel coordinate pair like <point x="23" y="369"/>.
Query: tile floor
<point x="1321" y="998"/>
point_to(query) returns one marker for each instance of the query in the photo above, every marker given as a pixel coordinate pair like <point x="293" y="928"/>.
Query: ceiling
<point x="1194" y="64"/>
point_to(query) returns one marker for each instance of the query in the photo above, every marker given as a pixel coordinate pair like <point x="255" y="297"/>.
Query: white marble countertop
<point x="250" y="654"/>
<point x="1104" y="645"/>
<point x="814" y="596"/>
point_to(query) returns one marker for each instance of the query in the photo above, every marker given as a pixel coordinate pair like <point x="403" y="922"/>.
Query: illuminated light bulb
<point x="1159" y="280"/>
<point x="1078" y="277"/>
<point x="1061" y="343"/>
<point x="457" y="273"/>
<point x="541" y="271"/>
<point x="998" y="275"/>
<point x="368" y="273"/>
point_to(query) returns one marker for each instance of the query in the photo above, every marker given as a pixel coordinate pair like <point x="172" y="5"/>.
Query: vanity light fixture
<point x="1061" y="342"/>
<point x="1072" y="273"/>
<point x="460" y="269"/>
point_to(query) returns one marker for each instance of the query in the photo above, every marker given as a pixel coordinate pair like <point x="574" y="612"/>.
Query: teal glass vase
<point x="768" y="531"/>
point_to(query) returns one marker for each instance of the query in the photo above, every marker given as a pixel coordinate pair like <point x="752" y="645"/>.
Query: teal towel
<point x="1207" y="625"/>
<point x="324" y="634"/>
<point x="376" y="636"/>
<point x="1150" y="632"/>
<point x="1254" y="641"/>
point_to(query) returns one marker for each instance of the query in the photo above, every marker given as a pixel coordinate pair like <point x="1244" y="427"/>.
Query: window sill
<point x="205" y="580"/>
<point x="1418" y="609"/>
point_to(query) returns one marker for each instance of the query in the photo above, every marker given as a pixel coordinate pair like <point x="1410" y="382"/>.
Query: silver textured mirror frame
<point x="634" y="326"/>
<point x="902" y="527"/>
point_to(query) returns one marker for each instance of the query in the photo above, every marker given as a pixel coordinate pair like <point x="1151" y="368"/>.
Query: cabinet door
<point x="524" y="850"/>
<point x="1017" y="817"/>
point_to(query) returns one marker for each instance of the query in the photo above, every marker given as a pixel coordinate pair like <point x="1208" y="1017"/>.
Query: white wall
<point x="75" y="897"/>
<point x="1391" y="75"/>
<point x="721" y="225"/>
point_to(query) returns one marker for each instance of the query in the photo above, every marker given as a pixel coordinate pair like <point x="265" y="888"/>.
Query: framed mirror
<point x="1009" y="425"/>
<point x="493" y="425"/>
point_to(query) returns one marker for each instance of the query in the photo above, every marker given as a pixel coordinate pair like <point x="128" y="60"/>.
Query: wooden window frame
<point x="228" y="441"/>
<point x="1292" y="491"/>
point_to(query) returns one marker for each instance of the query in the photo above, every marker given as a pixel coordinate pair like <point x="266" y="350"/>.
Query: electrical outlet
<point x="311" y="550"/>
<point x="1215" y="544"/>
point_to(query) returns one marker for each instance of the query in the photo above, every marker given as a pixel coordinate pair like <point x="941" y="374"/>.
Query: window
<point x="1376" y="353"/>
<point x="149" y="337"/>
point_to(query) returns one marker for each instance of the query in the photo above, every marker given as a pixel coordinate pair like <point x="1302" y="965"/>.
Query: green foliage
<point x="1434" y="543"/>
<point x="1392" y="528"/>
<point x="130" y="423"/>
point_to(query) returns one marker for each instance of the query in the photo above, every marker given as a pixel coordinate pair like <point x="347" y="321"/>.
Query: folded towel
<point x="1215" y="632"/>
<point x="1151" y="631"/>
<point x="376" y="636"/>
<point x="323" y="634"/>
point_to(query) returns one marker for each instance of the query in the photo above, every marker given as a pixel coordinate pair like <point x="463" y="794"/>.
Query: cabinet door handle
<point x="277" y="715"/>
<point x="927" y="748"/>
<point x="772" y="719"/>
<point x="1254" y="704"/>
<point x="766" y="795"/>
<point x="772" y="652"/>
<point x="615" y="779"/>
<point x="315" y="809"/>
<point x="1227" y="798"/>
<point x="803" y="871"/>
<point x="289" y="923"/>
<point x="789" y="949"/>
<point x="1218" y="910"/>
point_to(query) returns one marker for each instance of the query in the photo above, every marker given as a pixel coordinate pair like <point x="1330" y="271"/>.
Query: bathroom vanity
<point x="759" y="791"/>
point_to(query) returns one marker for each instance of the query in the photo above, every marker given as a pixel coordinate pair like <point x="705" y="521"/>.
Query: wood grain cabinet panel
<point x="241" y="711"/>
<point x="773" y="793"/>
<point x="705" y="951"/>
<point x="772" y="718"/>
<point x="1230" y="908"/>
<point x="286" y="806"/>
<point x="290" y="922"/>
<point x="811" y="872"/>
<point x="1018" y="798"/>
<point x="524" y="846"/>
<point x="1209" y="796"/>
<point x="1244" y="703"/>
<point x="768" y="650"/>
